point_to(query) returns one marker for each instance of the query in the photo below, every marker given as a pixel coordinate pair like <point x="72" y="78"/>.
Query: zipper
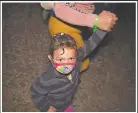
<point x="69" y="77"/>
<point x="71" y="81"/>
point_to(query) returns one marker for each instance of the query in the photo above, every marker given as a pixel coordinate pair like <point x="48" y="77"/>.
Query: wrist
<point x="95" y="23"/>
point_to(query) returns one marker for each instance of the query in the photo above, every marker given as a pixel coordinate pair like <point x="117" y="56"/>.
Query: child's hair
<point x="61" y="40"/>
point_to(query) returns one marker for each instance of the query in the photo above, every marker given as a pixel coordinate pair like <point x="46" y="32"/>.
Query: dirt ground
<point x="109" y="83"/>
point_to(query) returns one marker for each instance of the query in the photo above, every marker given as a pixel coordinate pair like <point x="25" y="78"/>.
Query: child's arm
<point x="91" y="44"/>
<point x="39" y="94"/>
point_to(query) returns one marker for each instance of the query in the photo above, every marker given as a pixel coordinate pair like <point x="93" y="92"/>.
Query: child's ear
<point x="49" y="57"/>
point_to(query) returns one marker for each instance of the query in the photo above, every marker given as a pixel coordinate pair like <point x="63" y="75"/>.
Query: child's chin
<point x="66" y="73"/>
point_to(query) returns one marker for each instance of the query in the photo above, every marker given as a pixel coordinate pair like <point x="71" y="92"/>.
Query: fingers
<point x="111" y="15"/>
<point x="108" y="30"/>
<point x="111" y="26"/>
<point x="52" y="109"/>
<point x="114" y="17"/>
<point x="107" y="20"/>
<point x="112" y="21"/>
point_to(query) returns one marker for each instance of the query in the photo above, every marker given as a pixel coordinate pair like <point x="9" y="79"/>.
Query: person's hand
<point x="52" y="109"/>
<point x="107" y="20"/>
<point x="47" y="6"/>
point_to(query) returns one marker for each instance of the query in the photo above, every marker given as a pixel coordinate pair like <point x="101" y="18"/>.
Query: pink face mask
<point x="64" y="68"/>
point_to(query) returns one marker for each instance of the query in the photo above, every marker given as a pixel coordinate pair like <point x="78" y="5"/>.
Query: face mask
<point x="64" y="68"/>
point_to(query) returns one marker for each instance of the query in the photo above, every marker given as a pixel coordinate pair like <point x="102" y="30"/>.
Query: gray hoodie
<point x="52" y="88"/>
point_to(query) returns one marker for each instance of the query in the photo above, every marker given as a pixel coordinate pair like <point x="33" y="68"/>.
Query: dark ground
<point x="108" y="84"/>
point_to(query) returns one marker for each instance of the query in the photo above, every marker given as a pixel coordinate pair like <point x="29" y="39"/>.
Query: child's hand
<point x="52" y="109"/>
<point x="107" y="20"/>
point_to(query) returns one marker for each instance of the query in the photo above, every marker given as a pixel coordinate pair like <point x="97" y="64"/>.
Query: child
<point x="54" y="90"/>
<point x="72" y="18"/>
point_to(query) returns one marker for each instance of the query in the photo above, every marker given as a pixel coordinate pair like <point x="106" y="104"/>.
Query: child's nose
<point x="66" y="61"/>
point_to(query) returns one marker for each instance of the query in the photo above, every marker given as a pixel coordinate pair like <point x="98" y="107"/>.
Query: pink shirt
<point x="74" y="16"/>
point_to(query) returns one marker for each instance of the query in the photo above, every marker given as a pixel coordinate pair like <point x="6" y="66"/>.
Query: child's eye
<point x="60" y="60"/>
<point x="72" y="59"/>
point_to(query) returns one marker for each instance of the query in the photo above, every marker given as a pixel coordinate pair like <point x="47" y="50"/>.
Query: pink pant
<point x="69" y="109"/>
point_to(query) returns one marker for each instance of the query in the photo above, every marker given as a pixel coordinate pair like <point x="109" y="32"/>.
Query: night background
<point x="108" y="84"/>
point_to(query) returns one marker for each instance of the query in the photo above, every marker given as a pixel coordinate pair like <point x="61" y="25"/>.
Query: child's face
<point x="64" y="60"/>
<point x="66" y="55"/>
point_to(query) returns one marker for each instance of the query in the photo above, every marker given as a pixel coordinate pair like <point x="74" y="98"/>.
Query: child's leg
<point x="56" y="26"/>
